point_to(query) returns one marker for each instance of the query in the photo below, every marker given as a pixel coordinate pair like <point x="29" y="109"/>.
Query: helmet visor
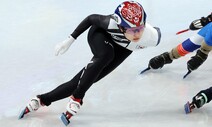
<point x="133" y="30"/>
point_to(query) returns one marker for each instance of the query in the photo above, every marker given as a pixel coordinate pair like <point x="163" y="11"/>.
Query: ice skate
<point x="198" y="101"/>
<point x="32" y="106"/>
<point x="188" y="107"/>
<point x="72" y="108"/>
<point x="159" y="61"/>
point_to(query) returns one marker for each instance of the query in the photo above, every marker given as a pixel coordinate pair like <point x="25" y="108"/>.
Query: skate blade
<point x="148" y="68"/>
<point x="23" y="112"/>
<point x="64" y="119"/>
<point x="187" y="108"/>
<point x="186" y="74"/>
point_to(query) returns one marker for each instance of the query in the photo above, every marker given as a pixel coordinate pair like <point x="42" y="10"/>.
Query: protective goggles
<point x="133" y="30"/>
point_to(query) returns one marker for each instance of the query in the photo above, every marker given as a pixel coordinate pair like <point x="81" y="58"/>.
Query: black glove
<point x="199" y="23"/>
<point x="196" y="60"/>
<point x="158" y="61"/>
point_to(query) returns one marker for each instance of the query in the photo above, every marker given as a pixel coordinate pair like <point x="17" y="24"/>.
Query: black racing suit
<point x="103" y="39"/>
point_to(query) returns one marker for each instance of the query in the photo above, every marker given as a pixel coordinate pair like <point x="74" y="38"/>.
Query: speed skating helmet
<point x="130" y="14"/>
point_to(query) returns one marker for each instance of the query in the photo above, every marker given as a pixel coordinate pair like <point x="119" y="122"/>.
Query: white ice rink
<point x="29" y="30"/>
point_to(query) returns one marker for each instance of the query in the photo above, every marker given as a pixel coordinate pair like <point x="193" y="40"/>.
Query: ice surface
<point x="31" y="29"/>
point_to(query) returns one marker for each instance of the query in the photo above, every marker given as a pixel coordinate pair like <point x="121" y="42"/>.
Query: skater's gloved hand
<point x="196" y="60"/>
<point x="64" y="46"/>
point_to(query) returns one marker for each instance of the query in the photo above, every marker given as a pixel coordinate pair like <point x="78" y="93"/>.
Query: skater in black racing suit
<point x="112" y="38"/>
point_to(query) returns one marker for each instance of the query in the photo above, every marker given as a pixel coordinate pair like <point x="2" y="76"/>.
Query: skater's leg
<point x="120" y="55"/>
<point x="62" y="91"/>
<point x="204" y="96"/>
<point x="201" y="98"/>
<point x="103" y="55"/>
<point x="102" y="48"/>
<point x="46" y="99"/>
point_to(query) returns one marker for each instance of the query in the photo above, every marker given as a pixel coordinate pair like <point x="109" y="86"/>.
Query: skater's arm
<point x="94" y="19"/>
